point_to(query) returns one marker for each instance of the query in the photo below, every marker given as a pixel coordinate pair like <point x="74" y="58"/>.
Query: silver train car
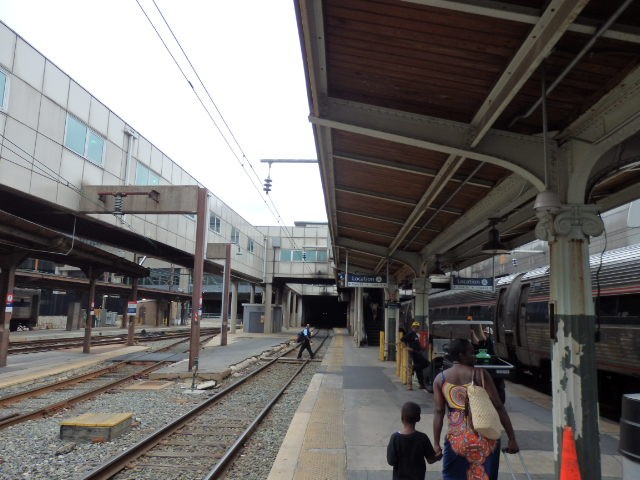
<point x="519" y="310"/>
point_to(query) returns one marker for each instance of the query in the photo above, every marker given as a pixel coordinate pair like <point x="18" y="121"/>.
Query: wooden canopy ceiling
<point x="428" y="118"/>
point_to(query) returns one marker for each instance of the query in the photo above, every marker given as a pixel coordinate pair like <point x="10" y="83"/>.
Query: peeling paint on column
<point x="574" y="374"/>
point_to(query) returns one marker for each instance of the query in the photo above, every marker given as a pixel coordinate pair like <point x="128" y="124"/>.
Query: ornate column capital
<point x="421" y="285"/>
<point x="574" y="221"/>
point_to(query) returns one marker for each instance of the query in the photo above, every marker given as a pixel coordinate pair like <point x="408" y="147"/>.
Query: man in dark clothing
<point x="306" y="341"/>
<point x="412" y="341"/>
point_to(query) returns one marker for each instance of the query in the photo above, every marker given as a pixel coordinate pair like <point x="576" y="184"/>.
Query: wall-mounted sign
<point x="368" y="281"/>
<point x="461" y="283"/>
<point x="9" y="304"/>
<point x="132" y="308"/>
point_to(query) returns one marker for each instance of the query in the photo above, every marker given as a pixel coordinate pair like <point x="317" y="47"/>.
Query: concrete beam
<point x="140" y="199"/>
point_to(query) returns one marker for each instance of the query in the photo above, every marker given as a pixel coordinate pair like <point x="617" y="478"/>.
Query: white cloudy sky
<point x="247" y="52"/>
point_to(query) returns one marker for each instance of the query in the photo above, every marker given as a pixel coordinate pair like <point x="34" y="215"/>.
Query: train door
<point x="500" y="345"/>
<point x="506" y="318"/>
<point x="522" y="349"/>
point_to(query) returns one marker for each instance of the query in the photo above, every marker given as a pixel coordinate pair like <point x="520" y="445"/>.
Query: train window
<point x="537" y="312"/>
<point x="629" y="305"/>
<point x="606" y="306"/>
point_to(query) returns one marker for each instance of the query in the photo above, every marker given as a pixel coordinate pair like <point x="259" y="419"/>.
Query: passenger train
<point x="519" y="310"/>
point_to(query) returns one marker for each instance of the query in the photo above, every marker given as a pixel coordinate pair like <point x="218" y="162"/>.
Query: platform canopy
<point x="20" y="237"/>
<point x="429" y="128"/>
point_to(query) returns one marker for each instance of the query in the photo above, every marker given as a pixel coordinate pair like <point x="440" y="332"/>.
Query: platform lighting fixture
<point x="438" y="275"/>
<point x="494" y="246"/>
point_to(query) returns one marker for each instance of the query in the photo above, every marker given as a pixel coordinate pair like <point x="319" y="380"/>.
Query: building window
<point x="250" y="245"/>
<point x="84" y="141"/>
<point x="214" y="224"/>
<point x="145" y="176"/>
<point x="4" y="90"/>
<point x="303" y="255"/>
<point x="235" y="235"/>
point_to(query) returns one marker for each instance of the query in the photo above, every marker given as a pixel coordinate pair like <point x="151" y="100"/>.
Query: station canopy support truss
<point x="428" y="120"/>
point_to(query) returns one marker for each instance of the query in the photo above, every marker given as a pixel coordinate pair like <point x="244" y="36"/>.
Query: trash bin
<point x="629" y="445"/>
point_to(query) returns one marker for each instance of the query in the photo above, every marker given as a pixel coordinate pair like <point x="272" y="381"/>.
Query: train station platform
<point x="343" y="424"/>
<point x="352" y="406"/>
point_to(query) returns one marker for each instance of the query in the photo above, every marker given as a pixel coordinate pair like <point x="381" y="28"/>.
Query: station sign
<point x="9" y="305"/>
<point x="132" y="308"/>
<point x="368" y="281"/>
<point x="462" y="283"/>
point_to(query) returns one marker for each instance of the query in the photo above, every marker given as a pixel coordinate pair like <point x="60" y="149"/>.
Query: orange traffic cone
<point x="569" y="468"/>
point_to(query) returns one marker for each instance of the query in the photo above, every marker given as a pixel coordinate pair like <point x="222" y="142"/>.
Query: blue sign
<point x="461" y="283"/>
<point x="369" y="281"/>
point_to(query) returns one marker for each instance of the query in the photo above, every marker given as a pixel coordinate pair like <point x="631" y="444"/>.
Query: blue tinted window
<point x="76" y="136"/>
<point x="142" y="175"/>
<point x="95" y="148"/>
<point x="153" y="179"/>
<point x="322" y="256"/>
<point x="285" y="255"/>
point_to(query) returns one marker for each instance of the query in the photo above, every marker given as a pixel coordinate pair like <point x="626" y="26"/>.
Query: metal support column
<point x="225" y="294"/>
<point x="7" y="283"/>
<point x="131" y="317"/>
<point x="91" y="313"/>
<point x="572" y="331"/>
<point x="268" y="318"/>
<point x="234" y="306"/>
<point x="198" y="271"/>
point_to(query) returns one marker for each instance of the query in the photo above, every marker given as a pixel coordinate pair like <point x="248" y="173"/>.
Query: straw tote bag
<point x="482" y="414"/>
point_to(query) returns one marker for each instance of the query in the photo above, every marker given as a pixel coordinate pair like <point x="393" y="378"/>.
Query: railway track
<point x="201" y="443"/>
<point x="50" y="398"/>
<point x="45" y="345"/>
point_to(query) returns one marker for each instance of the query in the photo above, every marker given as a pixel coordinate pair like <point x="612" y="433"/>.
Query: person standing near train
<point x="412" y="341"/>
<point x="483" y="339"/>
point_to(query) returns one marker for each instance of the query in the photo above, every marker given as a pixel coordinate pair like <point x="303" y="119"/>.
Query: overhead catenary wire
<point x="273" y="209"/>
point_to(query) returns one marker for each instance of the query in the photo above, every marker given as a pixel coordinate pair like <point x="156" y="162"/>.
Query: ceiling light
<point x="494" y="246"/>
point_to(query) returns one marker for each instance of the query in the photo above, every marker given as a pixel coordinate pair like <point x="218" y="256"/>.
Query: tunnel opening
<point x="324" y="311"/>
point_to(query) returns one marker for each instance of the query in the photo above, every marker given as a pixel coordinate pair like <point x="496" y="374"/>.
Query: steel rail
<point x="19" y="418"/>
<point x="231" y="453"/>
<point x="120" y="462"/>
<point x="44" y="411"/>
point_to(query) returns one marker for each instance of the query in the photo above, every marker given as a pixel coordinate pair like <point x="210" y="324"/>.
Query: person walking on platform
<point x="412" y="341"/>
<point x="466" y="453"/>
<point x="305" y="341"/>
<point x="408" y="448"/>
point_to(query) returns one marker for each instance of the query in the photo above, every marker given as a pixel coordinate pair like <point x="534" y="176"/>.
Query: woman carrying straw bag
<point x="467" y="454"/>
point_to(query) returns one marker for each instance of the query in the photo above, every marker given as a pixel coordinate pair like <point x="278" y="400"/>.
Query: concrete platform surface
<point x="343" y="424"/>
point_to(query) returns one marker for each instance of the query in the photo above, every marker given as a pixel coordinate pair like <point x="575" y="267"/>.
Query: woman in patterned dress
<point x="467" y="455"/>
